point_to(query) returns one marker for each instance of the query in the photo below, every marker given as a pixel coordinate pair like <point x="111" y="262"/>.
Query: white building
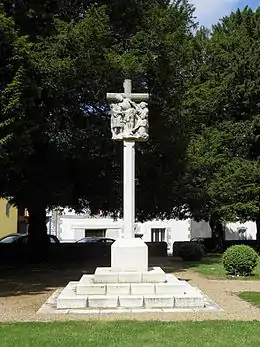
<point x="70" y="227"/>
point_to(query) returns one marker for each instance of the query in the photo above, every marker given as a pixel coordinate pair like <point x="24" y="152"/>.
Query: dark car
<point x="96" y="239"/>
<point x="201" y="242"/>
<point x="23" y="238"/>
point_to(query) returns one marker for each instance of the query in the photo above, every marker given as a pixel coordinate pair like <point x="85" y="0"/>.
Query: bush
<point x="240" y="260"/>
<point x="190" y="251"/>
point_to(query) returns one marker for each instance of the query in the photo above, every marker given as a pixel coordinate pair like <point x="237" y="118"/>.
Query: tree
<point x="56" y="148"/>
<point x="223" y="102"/>
<point x="41" y="140"/>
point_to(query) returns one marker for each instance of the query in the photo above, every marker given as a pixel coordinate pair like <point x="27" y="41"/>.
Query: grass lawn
<point x="131" y="334"/>
<point x="252" y="297"/>
<point x="211" y="266"/>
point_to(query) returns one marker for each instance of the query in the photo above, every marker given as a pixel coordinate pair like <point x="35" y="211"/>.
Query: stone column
<point x="129" y="189"/>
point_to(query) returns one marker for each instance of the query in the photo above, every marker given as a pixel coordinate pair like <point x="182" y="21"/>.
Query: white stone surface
<point x="129" y="120"/>
<point x="67" y="302"/>
<point x="91" y="289"/>
<point x="50" y="306"/>
<point x="69" y="290"/>
<point x="86" y="279"/>
<point x="189" y="300"/>
<point x="129" y="255"/>
<point x="87" y="293"/>
<point x="68" y="298"/>
<point x="154" y="275"/>
<point x="158" y="301"/>
<point x="129" y="189"/>
<point x="118" y="288"/>
<point x="122" y="127"/>
<point x="105" y="275"/>
<point x="142" y="288"/>
<point x="168" y="288"/>
<point x="102" y="301"/>
<point x="131" y="301"/>
<point x="129" y="277"/>
<point x="170" y="278"/>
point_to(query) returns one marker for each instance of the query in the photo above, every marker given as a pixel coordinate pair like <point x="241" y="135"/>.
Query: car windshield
<point x="88" y="240"/>
<point x="10" y="239"/>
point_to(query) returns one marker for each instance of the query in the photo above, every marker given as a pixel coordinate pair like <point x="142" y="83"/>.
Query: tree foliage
<point x="223" y="104"/>
<point x="60" y="60"/>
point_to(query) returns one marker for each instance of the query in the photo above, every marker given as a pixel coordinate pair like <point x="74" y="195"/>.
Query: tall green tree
<point x="56" y="148"/>
<point x="223" y="104"/>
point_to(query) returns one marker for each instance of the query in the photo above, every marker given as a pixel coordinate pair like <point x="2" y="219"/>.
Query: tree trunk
<point x="217" y="232"/>
<point x="258" y="233"/>
<point x="37" y="240"/>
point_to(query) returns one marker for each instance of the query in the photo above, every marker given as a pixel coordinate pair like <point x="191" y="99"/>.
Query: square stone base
<point x="129" y="255"/>
<point x="133" y="293"/>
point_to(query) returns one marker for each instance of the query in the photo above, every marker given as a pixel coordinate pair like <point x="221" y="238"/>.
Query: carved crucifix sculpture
<point x="129" y="123"/>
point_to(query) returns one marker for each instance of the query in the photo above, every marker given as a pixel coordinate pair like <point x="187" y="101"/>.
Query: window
<point x="95" y="232"/>
<point x="158" y="234"/>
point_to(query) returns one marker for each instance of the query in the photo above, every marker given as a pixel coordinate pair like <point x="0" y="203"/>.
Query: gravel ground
<point x="23" y="291"/>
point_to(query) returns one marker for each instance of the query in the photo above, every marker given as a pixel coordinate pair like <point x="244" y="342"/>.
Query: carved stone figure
<point x="117" y="125"/>
<point x="141" y="126"/>
<point x="129" y="120"/>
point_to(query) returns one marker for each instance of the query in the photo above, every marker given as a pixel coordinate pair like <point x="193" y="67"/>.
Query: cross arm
<point x="134" y="96"/>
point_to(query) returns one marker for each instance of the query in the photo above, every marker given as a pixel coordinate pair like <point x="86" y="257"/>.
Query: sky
<point x="209" y="11"/>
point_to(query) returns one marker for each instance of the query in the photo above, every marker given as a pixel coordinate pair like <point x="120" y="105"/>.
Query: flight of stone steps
<point x="110" y="289"/>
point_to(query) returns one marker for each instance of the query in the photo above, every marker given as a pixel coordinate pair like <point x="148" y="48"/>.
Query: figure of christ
<point x="128" y="109"/>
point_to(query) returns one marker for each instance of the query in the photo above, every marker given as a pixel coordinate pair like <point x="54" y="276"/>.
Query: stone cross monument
<point x="129" y="123"/>
<point x="128" y="283"/>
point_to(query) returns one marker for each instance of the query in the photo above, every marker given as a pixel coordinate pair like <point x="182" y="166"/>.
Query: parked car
<point x="23" y="238"/>
<point x="96" y="239"/>
<point x="201" y="242"/>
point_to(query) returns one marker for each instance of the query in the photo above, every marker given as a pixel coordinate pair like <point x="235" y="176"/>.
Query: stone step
<point x="87" y="286"/>
<point x="69" y="299"/>
<point x="102" y="301"/>
<point x="158" y="301"/>
<point x="107" y="275"/>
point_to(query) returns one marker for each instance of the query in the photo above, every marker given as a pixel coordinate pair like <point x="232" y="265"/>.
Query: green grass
<point x="131" y="334"/>
<point x="212" y="267"/>
<point x="252" y="297"/>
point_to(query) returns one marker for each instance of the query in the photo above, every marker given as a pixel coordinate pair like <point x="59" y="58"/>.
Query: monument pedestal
<point x="129" y="289"/>
<point x="128" y="283"/>
<point x="129" y="255"/>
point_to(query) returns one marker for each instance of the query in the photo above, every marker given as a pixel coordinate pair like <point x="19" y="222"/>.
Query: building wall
<point x="72" y="227"/>
<point x="200" y="229"/>
<point x="241" y="231"/>
<point x="175" y="230"/>
<point x="8" y="218"/>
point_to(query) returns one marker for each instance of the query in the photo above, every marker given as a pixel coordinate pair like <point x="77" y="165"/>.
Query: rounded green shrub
<point x="190" y="251"/>
<point x="240" y="260"/>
